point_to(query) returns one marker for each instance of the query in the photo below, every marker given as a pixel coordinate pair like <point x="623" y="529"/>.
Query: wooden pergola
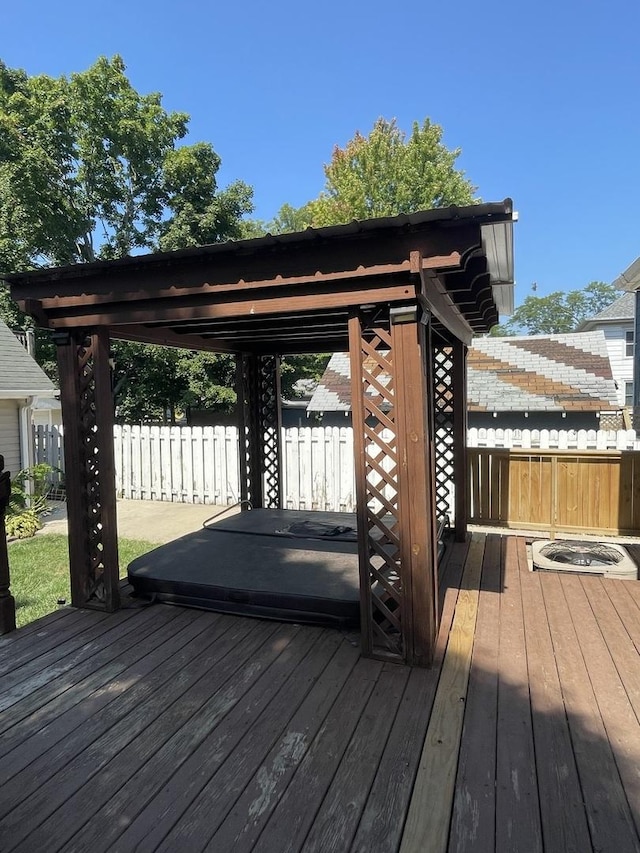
<point x="405" y="296"/>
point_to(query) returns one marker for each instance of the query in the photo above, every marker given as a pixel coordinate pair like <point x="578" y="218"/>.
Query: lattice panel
<point x="269" y="409"/>
<point x="381" y="476"/>
<point x="261" y="401"/>
<point x="90" y="469"/>
<point x="443" y="398"/>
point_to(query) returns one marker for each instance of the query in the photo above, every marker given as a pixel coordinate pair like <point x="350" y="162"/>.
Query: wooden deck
<point x="168" y="729"/>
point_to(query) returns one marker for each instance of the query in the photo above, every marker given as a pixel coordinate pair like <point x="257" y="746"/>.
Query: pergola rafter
<point x="394" y="291"/>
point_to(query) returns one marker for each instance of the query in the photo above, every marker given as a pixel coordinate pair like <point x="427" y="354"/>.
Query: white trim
<point x="30" y="392"/>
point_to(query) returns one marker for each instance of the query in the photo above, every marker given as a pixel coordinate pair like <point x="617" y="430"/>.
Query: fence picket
<point x="202" y="464"/>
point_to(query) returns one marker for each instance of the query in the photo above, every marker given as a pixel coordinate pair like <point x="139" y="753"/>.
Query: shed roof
<point x="293" y="292"/>
<point x="20" y="374"/>
<point x="555" y="373"/>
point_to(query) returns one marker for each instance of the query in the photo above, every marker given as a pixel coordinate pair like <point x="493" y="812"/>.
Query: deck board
<point x="602" y="787"/>
<point x="435" y="782"/>
<point x="563" y="818"/>
<point x="214" y="778"/>
<point x="620" y="721"/>
<point x="169" y="729"/>
<point x="518" y="825"/>
<point x="473" y="820"/>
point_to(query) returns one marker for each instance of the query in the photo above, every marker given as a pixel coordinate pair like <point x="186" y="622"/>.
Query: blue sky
<point x="541" y="97"/>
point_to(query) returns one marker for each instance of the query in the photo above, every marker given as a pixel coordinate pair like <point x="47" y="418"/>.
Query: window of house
<point x="628" y="393"/>
<point x="628" y="341"/>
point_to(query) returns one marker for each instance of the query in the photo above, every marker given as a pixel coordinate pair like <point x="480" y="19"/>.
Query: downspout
<point x="26" y="433"/>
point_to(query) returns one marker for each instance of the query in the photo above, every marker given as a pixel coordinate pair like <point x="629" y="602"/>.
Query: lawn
<point x="40" y="572"/>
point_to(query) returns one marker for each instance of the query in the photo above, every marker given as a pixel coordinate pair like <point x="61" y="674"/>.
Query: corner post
<point x="7" y="601"/>
<point x="87" y="411"/>
<point x="258" y="388"/>
<point x="417" y="505"/>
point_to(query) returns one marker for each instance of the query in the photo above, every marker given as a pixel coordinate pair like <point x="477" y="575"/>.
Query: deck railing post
<point x="7" y="601"/>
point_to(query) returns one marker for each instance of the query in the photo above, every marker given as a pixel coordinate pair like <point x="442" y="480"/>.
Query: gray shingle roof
<point x="558" y="373"/>
<point x="624" y="308"/>
<point x="19" y="372"/>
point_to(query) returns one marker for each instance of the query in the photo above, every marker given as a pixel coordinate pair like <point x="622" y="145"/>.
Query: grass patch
<point x="39" y="570"/>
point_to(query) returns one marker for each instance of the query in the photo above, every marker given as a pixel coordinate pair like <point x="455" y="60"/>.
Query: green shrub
<point x="25" y="507"/>
<point x="24" y="524"/>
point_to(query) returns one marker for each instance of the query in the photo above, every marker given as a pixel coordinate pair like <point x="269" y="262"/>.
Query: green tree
<point x="560" y="311"/>
<point x="89" y="169"/>
<point x="387" y="173"/>
<point x="382" y="174"/>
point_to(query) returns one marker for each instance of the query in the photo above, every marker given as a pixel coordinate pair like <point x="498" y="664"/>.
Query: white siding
<point x="621" y="364"/>
<point x="10" y="435"/>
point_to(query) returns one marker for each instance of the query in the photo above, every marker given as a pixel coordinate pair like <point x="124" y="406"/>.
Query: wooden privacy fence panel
<point x="554" y="490"/>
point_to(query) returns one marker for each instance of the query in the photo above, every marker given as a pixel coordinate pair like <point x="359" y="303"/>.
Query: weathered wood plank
<point x="66" y="711"/>
<point x="564" y="821"/>
<point x="429" y="815"/>
<point x="517" y="807"/>
<point x="626" y="606"/>
<point x="620" y="721"/>
<point x="53" y="797"/>
<point x="51" y="639"/>
<point x="292" y="817"/>
<point x="336" y="821"/>
<point x="474" y="808"/>
<point x="623" y="650"/>
<point x="382" y="820"/>
<point x="608" y="812"/>
<point x="208" y="772"/>
<point x="166" y="660"/>
<point x="182" y="737"/>
<point x="56" y="663"/>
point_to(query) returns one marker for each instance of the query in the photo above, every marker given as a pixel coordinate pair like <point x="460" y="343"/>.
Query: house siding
<point x="10" y="435"/>
<point x="621" y="364"/>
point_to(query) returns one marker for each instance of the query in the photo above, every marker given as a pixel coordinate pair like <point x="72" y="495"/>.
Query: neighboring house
<point x="534" y="382"/>
<point x="617" y="322"/>
<point x="22" y="382"/>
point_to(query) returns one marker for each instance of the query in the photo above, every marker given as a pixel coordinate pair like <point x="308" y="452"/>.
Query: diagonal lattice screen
<point x="90" y="470"/>
<point x="381" y="478"/>
<point x="443" y="395"/>
<point x="261" y="393"/>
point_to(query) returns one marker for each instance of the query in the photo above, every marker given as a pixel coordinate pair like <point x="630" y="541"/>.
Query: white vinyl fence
<point x="201" y="464"/>
<point x="555" y="439"/>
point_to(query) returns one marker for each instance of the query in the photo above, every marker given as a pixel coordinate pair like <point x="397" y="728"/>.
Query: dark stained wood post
<point x="87" y="410"/>
<point x="7" y="601"/>
<point x="417" y="507"/>
<point x="258" y="389"/>
<point x="395" y="491"/>
<point x="250" y="471"/>
<point x="460" y="472"/>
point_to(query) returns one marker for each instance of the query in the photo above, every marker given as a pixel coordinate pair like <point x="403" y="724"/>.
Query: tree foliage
<point x="156" y="384"/>
<point x="92" y="169"/>
<point x="559" y="312"/>
<point x="387" y="173"/>
<point x="382" y="174"/>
